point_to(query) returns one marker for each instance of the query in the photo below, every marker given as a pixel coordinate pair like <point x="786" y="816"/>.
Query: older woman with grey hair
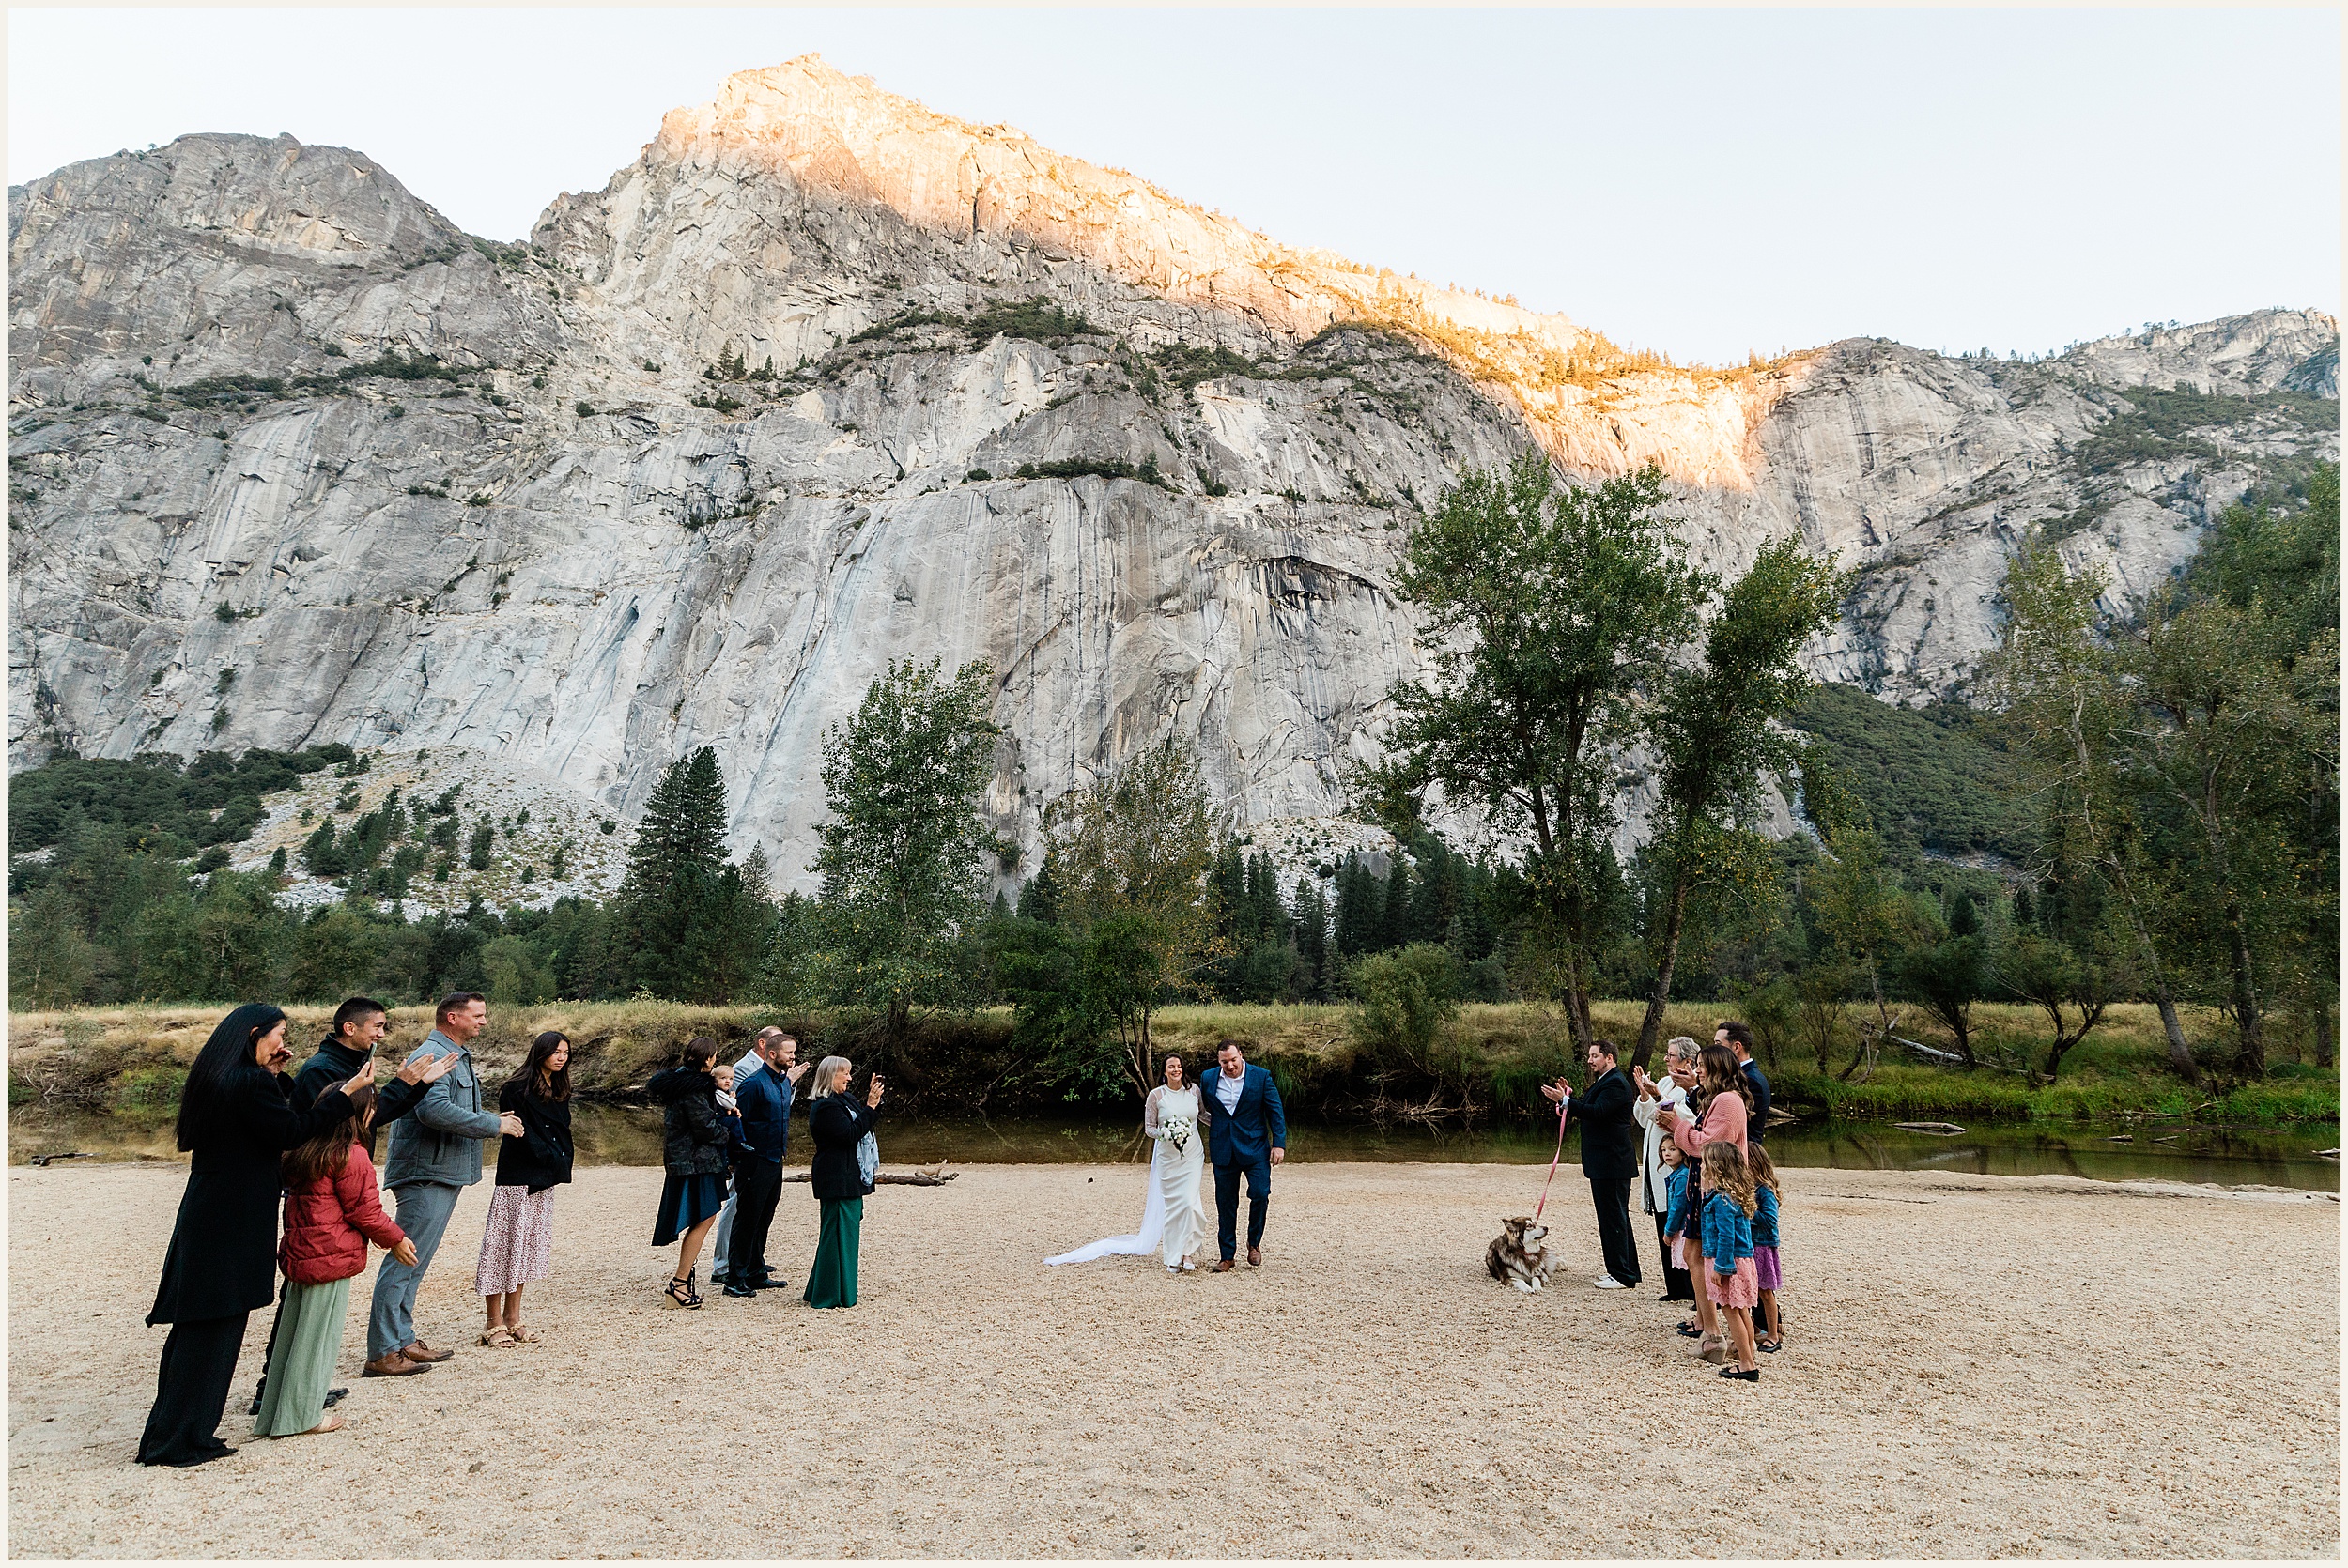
<point x="1680" y="1081"/>
<point x="842" y="1176"/>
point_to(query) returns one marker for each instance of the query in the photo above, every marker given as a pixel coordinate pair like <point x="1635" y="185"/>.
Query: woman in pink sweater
<point x="1723" y="1112"/>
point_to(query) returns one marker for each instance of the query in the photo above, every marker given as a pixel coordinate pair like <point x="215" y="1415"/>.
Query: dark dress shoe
<point x="772" y="1281"/>
<point x="1224" y="1267"/>
<point x="741" y="1292"/>
<point x="1254" y="1258"/>
<point x="335" y="1394"/>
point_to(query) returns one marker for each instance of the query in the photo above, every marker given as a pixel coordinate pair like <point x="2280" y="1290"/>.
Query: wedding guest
<point x="1679" y="1220"/>
<point x="1729" y="1277"/>
<point x="1720" y="1116"/>
<point x="518" y="1240"/>
<point x="331" y="1213"/>
<point x="839" y="1181"/>
<point x="1766" y="1200"/>
<point x="235" y="1120"/>
<point x="754" y="1060"/>
<point x="1738" y="1039"/>
<point x="762" y="1138"/>
<point x="434" y="1155"/>
<point x="1679" y="1058"/>
<point x="694" y="1140"/>
<point x="358" y="1026"/>
<point x="1604" y="1110"/>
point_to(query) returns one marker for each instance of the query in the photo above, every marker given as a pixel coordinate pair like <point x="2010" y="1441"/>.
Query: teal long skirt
<point x="831" y="1282"/>
<point x="309" y="1342"/>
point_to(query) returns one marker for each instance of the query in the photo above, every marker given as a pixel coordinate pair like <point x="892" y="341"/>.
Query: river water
<point x="630" y="1135"/>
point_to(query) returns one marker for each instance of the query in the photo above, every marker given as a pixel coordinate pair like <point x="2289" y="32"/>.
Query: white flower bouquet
<point x="1177" y="1130"/>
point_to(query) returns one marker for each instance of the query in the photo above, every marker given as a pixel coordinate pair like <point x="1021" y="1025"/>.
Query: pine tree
<point x="681" y="904"/>
<point x="1312" y="932"/>
<point x="1394" y="924"/>
<point x="1040" y="899"/>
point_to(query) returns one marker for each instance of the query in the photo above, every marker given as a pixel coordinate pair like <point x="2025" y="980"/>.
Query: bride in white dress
<point x="1174" y="1216"/>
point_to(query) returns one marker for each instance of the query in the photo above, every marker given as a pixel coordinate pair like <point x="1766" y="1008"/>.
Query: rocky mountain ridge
<point x="824" y="379"/>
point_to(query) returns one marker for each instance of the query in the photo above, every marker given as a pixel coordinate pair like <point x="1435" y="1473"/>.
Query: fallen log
<point x="1938" y="1130"/>
<point x="890" y="1179"/>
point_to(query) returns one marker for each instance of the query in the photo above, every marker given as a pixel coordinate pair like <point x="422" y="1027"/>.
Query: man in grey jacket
<point x="434" y="1155"/>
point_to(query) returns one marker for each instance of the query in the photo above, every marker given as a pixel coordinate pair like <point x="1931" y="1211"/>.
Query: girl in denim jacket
<point x="1728" y="1274"/>
<point x="1764" y="1269"/>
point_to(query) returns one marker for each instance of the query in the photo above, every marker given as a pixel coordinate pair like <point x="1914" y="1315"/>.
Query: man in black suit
<point x="1738" y="1039"/>
<point x="1608" y="1158"/>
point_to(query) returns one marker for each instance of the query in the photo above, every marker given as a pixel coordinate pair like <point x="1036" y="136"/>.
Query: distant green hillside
<point x="1932" y="777"/>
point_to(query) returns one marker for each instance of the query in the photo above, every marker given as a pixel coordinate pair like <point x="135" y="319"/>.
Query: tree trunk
<point x="2250" y="1051"/>
<point x="2180" y="1055"/>
<point x="1651" y="1026"/>
<point x="2323" y="1036"/>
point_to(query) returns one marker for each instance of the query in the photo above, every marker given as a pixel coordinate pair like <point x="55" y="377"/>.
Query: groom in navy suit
<point x="1247" y="1131"/>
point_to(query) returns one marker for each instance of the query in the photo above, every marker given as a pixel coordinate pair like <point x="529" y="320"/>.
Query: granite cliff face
<point x="271" y="414"/>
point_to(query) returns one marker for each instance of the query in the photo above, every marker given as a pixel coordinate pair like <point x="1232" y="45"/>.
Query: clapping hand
<point x="360" y="1080"/>
<point x="797" y="1072"/>
<point x="1559" y="1092"/>
<point x="428" y="1070"/>
<point x="1647" y="1089"/>
<point x="510" y="1124"/>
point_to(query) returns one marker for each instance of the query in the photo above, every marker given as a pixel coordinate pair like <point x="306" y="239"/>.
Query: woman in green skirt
<point x="332" y="1210"/>
<point x="839" y="1179"/>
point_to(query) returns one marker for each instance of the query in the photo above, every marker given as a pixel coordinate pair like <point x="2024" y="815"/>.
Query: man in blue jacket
<point x="762" y="1137"/>
<point x="1247" y="1131"/>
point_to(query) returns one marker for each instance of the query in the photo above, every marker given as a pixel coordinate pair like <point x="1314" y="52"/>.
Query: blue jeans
<point x="1226" y="1202"/>
<point x="424" y="1211"/>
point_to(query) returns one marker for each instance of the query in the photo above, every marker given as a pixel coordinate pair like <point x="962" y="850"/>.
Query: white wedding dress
<point x="1174" y="1216"/>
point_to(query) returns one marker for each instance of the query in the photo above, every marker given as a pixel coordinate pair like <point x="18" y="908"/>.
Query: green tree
<point x="902" y="854"/>
<point x="334" y="953"/>
<point x="519" y="975"/>
<point x="1719" y="730"/>
<point x="1408" y="995"/>
<point x="477" y="848"/>
<point x="2067" y="706"/>
<point x="1134" y="854"/>
<point x="1550" y="607"/>
<point x="51" y="962"/>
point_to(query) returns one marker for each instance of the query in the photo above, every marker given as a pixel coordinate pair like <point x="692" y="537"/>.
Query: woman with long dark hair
<point x="838" y="1180"/>
<point x="1724" y="1105"/>
<point x="695" y="1144"/>
<point x="517" y="1243"/>
<point x="235" y="1119"/>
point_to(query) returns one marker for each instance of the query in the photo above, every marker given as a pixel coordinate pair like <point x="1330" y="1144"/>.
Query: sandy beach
<point x="1976" y="1367"/>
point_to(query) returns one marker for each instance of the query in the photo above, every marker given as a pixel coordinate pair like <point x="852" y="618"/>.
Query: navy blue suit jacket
<point x="1254" y="1129"/>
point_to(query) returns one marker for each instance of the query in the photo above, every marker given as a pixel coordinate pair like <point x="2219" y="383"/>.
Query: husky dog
<point x="1517" y="1256"/>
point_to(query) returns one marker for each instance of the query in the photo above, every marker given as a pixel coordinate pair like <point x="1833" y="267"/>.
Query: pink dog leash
<point x="1560" y="1154"/>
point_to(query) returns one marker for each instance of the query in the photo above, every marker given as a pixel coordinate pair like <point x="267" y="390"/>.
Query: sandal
<point x="497" y="1338"/>
<point x="332" y="1424"/>
<point x="521" y="1334"/>
<point x="679" y="1294"/>
<point x="1714" y="1350"/>
<point x="1770" y="1347"/>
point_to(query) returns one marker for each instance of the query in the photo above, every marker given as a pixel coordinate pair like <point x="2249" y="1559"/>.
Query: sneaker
<point x="1608" y="1282"/>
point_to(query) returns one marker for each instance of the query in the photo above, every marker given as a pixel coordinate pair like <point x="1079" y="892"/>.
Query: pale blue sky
<point x="1702" y="182"/>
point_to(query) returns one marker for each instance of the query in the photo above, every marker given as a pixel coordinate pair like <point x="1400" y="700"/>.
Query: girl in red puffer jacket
<point x="332" y="1211"/>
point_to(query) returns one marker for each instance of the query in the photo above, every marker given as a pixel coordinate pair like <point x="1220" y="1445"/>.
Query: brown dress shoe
<point x="1254" y="1258"/>
<point x="396" y="1364"/>
<point x="425" y="1353"/>
<point x="1224" y="1267"/>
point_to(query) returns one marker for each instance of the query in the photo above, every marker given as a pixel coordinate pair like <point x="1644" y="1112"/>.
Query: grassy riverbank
<point x="130" y="1061"/>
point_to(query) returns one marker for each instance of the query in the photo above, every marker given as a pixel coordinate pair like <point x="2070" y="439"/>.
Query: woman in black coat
<point x="839" y="1125"/>
<point x="236" y="1118"/>
<point x="696" y="1147"/>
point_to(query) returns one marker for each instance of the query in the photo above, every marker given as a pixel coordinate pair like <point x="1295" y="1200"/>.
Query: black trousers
<point x="191" y="1391"/>
<point x="757" y="1187"/>
<point x="1678" y="1287"/>
<point x="1258" y="1174"/>
<point x="1613" y="1202"/>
